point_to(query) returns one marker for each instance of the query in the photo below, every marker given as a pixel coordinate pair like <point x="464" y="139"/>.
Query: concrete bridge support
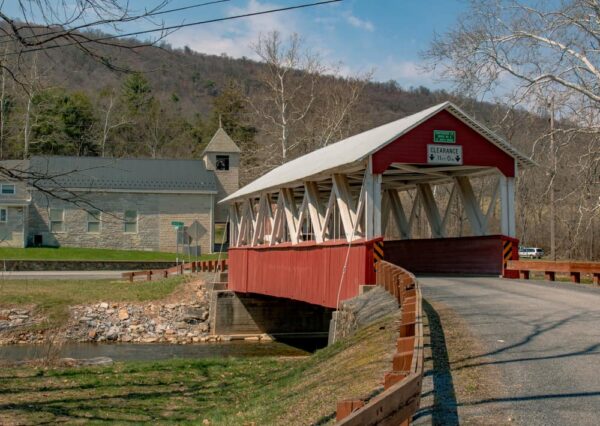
<point x="238" y="313"/>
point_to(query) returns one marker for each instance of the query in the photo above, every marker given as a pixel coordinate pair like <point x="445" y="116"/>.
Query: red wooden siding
<point x="411" y="148"/>
<point x="307" y="272"/>
<point x="464" y="255"/>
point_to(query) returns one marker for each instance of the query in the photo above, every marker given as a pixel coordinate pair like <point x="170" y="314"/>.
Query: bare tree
<point x="304" y="103"/>
<point x="290" y="76"/>
<point x="109" y="98"/>
<point x="525" y="55"/>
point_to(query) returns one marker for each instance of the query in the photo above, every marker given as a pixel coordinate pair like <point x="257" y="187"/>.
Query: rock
<point x="18" y="316"/>
<point x="112" y="333"/>
<point x="252" y="339"/>
<point x="103" y="305"/>
<point x="149" y="340"/>
<point x="123" y="314"/>
<point x="92" y="334"/>
<point x="265" y="338"/>
<point x="101" y="360"/>
<point x="194" y="315"/>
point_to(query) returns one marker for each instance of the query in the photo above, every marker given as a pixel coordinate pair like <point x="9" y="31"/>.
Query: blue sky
<point x="381" y="35"/>
<point x="384" y="35"/>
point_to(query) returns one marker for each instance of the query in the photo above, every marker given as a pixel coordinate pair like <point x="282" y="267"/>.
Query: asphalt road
<point x="544" y="338"/>
<point x="61" y="275"/>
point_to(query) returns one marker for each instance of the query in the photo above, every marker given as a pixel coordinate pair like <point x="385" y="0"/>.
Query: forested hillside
<point x="162" y="102"/>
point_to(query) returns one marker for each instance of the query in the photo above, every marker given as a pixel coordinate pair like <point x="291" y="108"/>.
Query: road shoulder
<point x="457" y="390"/>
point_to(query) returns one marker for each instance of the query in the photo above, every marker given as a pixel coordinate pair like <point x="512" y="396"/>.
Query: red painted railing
<point x="197" y="266"/>
<point x="402" y="385"/>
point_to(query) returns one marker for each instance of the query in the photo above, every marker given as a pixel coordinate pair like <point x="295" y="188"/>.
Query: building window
<point x="222" y="162"/>
<point x="3" y="215"/>
<point x="8" y="189"/>
<point x="131" y="219"/>
<point x="57" y="220"/>
<point x="93" y="221"/>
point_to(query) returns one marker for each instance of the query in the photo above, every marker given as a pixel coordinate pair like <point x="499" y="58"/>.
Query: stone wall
<point x="83" y="265"/>
<point x="360" y="311"/>
<point x="154" y="230"/>
<point x="12" y="231"/>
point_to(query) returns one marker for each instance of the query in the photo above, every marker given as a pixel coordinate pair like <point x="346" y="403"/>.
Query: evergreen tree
<point x="136" y="93"/>
<point x="64" y="124"/>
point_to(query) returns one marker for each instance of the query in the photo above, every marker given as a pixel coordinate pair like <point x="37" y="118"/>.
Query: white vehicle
<point x="531" y="252"/>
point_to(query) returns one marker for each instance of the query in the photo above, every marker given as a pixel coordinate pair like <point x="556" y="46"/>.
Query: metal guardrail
<point x="402" y="385"/>
<point x="197" y="266"/>
<point x="551" y="268"/>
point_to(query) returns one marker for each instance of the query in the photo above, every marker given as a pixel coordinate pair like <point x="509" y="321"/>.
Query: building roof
<point x="97" y="173"/>
<point x="355" y="149"/>
<point x="221" y="142"/>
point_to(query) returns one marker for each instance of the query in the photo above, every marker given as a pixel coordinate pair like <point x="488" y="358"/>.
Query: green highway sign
<point x="177" y="224"/>
<point x="444" y="136"/>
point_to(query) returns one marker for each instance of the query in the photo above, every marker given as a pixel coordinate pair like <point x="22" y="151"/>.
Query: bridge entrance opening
<point x="436" y="187"/>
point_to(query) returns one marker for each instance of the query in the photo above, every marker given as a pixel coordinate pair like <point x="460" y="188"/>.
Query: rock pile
<point x="127" y="322"/>
<point x="13" y="318"/>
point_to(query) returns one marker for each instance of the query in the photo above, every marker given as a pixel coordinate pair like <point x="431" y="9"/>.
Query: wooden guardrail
<point x="197" y="266"/>
<point x="402" y="385"/>
<point x="550" y="269"/>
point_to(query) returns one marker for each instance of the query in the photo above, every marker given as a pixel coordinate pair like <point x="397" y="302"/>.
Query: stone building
<point x="120" y="203"/>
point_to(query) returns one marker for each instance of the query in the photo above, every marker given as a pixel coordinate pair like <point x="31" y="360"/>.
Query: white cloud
<point x="235" y="37"/>
<point x="359" y="23"/>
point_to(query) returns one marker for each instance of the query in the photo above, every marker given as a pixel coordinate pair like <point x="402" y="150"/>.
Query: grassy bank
<point x="223" y="391"/>
<point x="52" y="298"/>
<point x="72" y="253"/>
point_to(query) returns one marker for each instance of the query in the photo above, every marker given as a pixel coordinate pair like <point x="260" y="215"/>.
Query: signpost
<point x="444" y="136"/>
<point x="437" y="154"/>
<point x="178" y="226"/>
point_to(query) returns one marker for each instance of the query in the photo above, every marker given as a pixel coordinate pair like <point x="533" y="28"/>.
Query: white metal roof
<point x="355" y="149"/>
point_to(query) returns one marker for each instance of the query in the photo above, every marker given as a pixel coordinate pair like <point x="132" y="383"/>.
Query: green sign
<point x="177" y="224"/>
<point x="444" y="136"/>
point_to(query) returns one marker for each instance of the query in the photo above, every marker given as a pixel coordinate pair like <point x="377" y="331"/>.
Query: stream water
<point x="157" y="351"/>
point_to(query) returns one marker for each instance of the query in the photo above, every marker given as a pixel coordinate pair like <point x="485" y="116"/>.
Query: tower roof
<point x="221" y="142"/>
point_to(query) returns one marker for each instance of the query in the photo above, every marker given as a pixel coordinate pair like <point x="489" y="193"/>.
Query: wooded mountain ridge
<point x="171" y="101"/>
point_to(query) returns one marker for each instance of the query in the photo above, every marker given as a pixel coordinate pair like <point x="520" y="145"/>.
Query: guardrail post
<point x="575" y="277"/>
<point x="550" y="275"/>
<point x="148" y="275"/>
<point x="346" y="407"/>
<point x="392" y="377"/>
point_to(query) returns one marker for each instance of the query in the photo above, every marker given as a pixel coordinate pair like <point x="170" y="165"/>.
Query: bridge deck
<point x="544" y="338"/>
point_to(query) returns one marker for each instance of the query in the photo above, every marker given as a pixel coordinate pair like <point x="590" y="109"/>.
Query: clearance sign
<point x="446" y="153"/>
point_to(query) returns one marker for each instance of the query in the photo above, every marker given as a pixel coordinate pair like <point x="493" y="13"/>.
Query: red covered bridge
<point x="311" y="230"/>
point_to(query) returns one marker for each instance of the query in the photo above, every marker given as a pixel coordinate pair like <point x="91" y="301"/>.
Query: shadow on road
<point x="444" y="408"/>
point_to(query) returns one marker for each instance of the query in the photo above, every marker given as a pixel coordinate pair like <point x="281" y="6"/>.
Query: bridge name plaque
<point x="446" y="154"/>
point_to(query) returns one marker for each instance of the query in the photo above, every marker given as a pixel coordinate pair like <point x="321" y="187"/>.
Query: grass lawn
<point x="232" y="391"/>
<point x="53" y="297"/>
<point x="71" y="253"/>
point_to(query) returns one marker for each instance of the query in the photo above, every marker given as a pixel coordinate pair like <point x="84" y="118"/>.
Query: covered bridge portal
<point x="311" y="229"/>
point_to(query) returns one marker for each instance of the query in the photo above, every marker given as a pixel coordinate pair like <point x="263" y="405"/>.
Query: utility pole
<point x="552" y="178"/>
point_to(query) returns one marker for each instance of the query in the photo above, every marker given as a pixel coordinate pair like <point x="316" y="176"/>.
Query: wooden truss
<point x="355" y="206"/>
